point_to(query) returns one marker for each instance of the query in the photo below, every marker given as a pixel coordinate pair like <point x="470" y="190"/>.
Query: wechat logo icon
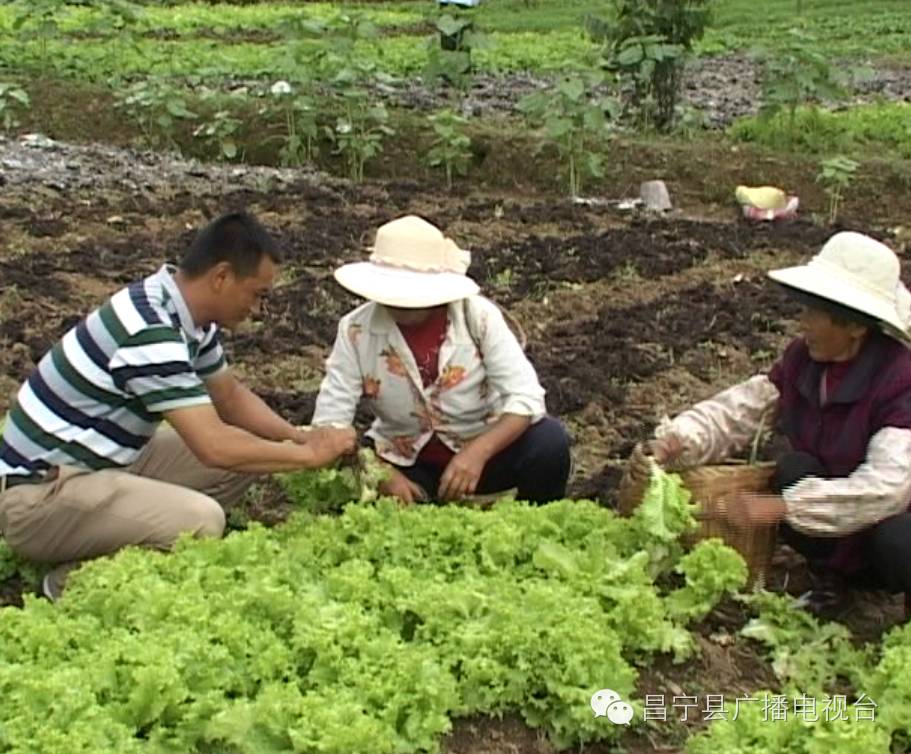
<point x="607" y="703"/>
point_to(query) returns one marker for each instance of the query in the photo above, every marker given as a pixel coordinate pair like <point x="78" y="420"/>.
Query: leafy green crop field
<point x="89" y="42"/>
<point x="365" y="632"/>
<point x="843" y="27"/>
<point x="372" y="630"/>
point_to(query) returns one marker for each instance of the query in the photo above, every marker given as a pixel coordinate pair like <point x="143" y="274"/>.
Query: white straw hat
<point x="413" y="266"/>
<point x="859" y="273"/>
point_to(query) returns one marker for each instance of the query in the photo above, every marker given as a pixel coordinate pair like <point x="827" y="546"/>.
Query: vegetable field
<point x="377" y="629"/>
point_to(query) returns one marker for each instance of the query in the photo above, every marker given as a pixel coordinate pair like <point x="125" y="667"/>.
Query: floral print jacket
<point x="483" y="374"/>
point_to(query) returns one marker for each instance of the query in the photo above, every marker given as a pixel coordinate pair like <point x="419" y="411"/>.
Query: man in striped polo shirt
<point x="84" y="468"/>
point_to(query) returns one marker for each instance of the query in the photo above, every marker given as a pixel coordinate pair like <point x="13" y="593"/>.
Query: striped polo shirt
<point x="98" y="395"/>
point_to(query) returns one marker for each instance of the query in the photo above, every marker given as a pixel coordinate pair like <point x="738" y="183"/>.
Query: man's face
<point x="240" y="297"/>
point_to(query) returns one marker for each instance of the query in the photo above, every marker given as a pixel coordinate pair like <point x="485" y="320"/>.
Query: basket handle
<point x="757" y="438"/>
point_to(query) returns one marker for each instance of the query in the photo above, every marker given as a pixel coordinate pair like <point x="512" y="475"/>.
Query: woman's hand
<point x="746" y="510"/>
<point x="638" y="470"/>
<point x="400" y="486"/>
<point x="636" y="476"/>
<point x="462" y="475"/>
<point x="665" y="450"/>
<point x="639" y="466"/>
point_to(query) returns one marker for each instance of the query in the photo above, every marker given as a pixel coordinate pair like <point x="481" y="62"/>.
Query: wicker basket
<point x="710" y="486"/>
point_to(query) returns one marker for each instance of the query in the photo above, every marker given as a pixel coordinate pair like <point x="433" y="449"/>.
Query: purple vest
<point x="873" y="394"/>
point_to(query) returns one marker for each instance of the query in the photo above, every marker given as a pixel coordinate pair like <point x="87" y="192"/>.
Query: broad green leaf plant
<point x="14" y="100"/>
<point x="796" y="75"/>
<point x="836" y="175"/>
<point x="39" y="20"/>
<point x="577" y="121"/>
<point x="646" y="43"/>
<point x="451" y="147"/>
<point x="157" y="107"/>
<point x="449" y="52"/>
<point x="359" y="132"/>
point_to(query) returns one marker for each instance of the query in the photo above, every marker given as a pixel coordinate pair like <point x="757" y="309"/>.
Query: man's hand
<point x="306" y="432"/>
<point x="747" y="510"/>
<point x="329" y="443"/>
<point x="301" y="435"/>
<point x="400" y="486"/>
<point x="462" y="474"/>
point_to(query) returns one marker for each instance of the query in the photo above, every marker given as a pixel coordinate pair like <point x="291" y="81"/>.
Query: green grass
<point x="541" y="16"/>
<point x="518" y="51"/>
<point x="758" y="16"/>
<point x="870" y="128"/>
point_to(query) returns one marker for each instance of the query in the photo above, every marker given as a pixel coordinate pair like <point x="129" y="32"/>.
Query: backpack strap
<point x="474" y="331"/>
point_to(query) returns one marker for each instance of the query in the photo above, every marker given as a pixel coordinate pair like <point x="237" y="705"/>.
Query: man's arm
<point x="155" y="367"/>
<point x="239" y="406"/>
<point x="224" y="446"/>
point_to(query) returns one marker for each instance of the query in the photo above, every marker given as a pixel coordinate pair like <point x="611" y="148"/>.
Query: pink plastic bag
<point x="788" y="212"/>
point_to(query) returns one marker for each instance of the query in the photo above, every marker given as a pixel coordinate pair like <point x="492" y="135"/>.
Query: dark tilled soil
<point x="599" y="359"/>
<point x="648" y="248"/>
<point x="592" y="356"/>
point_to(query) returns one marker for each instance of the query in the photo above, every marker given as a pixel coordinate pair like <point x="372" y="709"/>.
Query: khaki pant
<point x="83" y="514"/>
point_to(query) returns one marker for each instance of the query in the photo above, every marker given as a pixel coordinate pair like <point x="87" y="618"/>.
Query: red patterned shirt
<point x="425" y="340"/>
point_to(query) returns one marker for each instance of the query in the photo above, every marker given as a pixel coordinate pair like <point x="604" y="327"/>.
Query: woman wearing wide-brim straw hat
<point x="841" y="395"/>
<point x="458" y="407"/>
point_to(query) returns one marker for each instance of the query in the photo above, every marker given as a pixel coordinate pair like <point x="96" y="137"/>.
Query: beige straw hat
<point x="413" y="266"/>
<point x="857" y="272"/>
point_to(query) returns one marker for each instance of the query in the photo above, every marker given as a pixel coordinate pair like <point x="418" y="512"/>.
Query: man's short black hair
<point x="839" y="313"/>
<point x="237" y="238"/>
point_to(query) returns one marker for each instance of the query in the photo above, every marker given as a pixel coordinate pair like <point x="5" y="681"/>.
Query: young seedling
<point x="157" y="107"/>
<point x="38" y="19"/>
<point x="797" y="75"/>
<point x="13" y="100"/>
<point x="451" y="149"/>
<point x="359" y="132"/>
<point x="301" y="127"/>
<point x="220" y="131"/>
<point x="836" y="175"/>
